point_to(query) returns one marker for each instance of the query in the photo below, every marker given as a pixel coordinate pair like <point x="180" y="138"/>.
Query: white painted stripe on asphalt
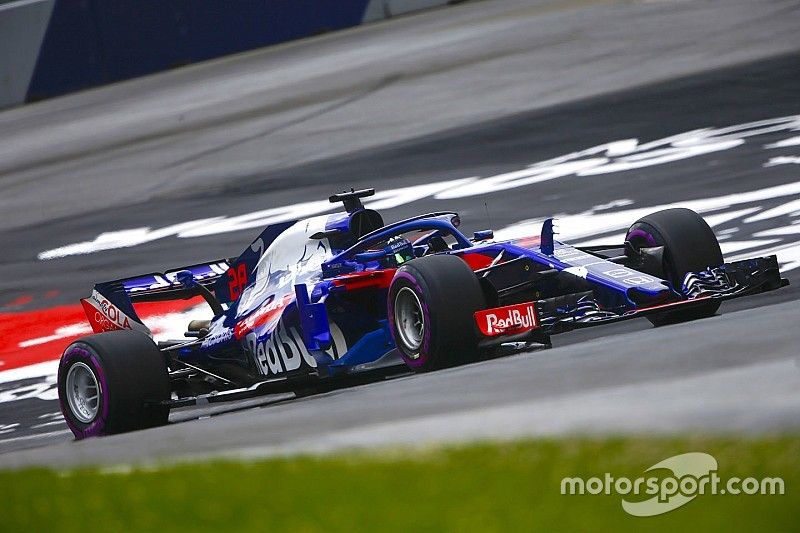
<point x="48" y="424"/>
<point x="36" y="436"/>
<point x="39" y="370"/>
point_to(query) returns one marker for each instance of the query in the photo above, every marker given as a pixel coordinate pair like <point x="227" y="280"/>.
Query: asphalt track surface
<point x="476" y="96"/>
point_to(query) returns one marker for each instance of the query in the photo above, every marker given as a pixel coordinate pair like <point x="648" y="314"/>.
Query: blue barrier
<point x="93" y="42"/>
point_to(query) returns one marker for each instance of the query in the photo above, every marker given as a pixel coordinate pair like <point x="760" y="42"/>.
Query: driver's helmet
<point x="399" y="250"/>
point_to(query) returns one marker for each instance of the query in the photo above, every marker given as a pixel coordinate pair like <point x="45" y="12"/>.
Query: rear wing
<point x="110" y="307"/>
<point x="158" y="287"/>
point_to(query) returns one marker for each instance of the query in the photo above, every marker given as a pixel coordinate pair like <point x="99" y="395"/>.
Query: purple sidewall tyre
<point x="405" y="278"/>
<point x="131" y="379"/>
<point x="78" y="352"/>
<point x="434" y="298"/>
<point x="690" y="245"/>
<point x="640" y="235"/>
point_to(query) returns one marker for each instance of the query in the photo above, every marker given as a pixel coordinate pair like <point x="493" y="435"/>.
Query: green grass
<point x="483" y="487"/>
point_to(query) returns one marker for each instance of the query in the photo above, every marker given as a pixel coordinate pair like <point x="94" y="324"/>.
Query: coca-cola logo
<point x="103" y="323"/>
<point x="103" y="315"/>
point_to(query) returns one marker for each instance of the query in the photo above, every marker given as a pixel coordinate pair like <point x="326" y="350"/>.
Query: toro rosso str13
<point x="325" y="299"/>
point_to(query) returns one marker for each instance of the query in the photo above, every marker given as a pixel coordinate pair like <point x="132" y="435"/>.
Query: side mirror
<point x="483" y="235"/>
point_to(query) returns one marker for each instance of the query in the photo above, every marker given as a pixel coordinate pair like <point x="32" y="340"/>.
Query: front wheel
<point x="689" y="246"/>
<point x="431" y="306"/>
<point x="112" y="383"/>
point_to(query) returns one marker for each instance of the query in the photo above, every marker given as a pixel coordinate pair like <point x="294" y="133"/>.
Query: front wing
<point x="535" y="319"/>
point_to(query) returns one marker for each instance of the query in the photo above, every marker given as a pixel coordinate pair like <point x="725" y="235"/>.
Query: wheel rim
<point x="408" y="319"/>
<point x="83" y="392"/>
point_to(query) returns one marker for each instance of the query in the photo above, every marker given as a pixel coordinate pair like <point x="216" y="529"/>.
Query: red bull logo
<point x="507" y="320"/>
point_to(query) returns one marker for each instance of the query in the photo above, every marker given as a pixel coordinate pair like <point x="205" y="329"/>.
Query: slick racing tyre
<point x="689" y="246"/>
<point x="431" y="304"/>
<point x="112" y="383"/>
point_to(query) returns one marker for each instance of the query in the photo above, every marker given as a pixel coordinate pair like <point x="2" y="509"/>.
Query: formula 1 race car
<point x="322" y="300"/>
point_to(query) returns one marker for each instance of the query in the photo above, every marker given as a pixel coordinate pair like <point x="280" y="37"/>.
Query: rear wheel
<point x="111" y="383"/>
<point x="689" y="246"/>
<point x="431" y="305"/>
